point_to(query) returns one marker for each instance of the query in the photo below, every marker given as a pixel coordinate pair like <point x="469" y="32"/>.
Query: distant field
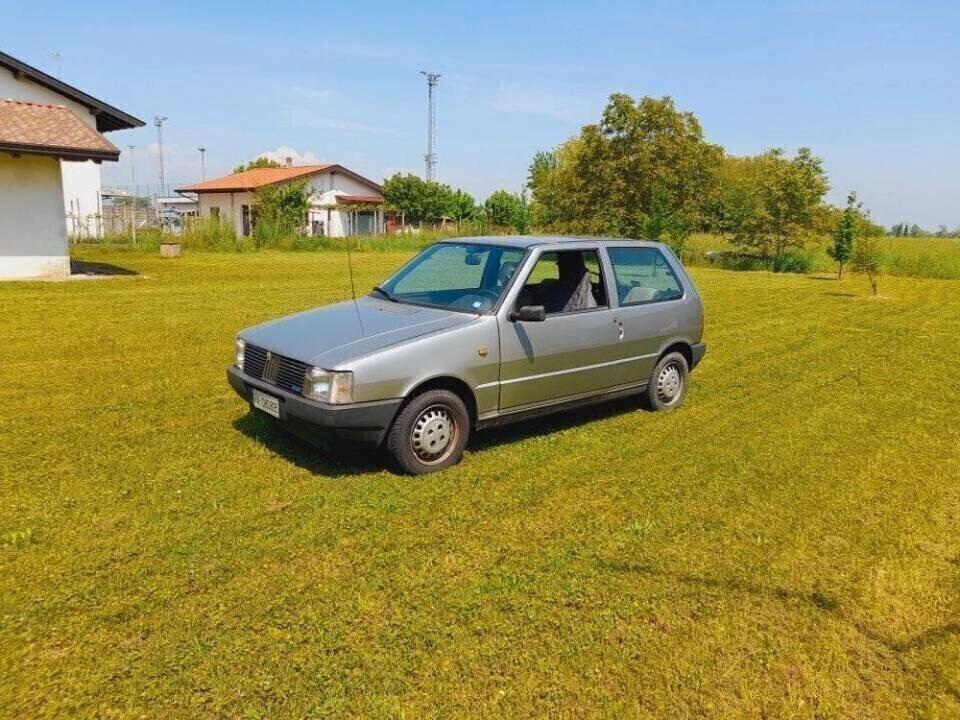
<point x="787" y="545"/>
<point x="907" y="257"/>
<point x="926" y="257"/>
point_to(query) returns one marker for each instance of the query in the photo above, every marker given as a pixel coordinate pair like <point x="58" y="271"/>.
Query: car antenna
<point x="353" y="291"/>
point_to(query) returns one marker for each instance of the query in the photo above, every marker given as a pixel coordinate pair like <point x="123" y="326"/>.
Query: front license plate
<point x="268" y="403"/>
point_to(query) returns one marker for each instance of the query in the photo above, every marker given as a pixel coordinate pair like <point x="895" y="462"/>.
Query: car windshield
<point x="455" y="276"/>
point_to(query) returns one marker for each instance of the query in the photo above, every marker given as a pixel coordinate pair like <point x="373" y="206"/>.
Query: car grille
<point x="275" y="369"/>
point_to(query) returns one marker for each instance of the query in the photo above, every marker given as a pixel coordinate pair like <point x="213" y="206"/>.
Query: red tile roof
<point x="37" y="129"/>
<point x="359" y="199"/>
<point x="253" y="179"/>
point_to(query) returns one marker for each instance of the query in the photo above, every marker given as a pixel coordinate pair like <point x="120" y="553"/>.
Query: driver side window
<point x="565" y="281"/>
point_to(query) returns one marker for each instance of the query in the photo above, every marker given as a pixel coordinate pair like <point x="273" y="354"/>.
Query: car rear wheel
<point x="668" y="382"/>
<point x="430" y="432"/>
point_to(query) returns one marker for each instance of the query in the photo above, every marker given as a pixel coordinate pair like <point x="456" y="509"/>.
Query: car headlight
<point x="335" y="388"/>
<point x="238" y="358"/>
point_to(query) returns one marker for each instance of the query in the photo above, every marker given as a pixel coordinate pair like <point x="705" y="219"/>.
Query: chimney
<point x="289" y="162"/>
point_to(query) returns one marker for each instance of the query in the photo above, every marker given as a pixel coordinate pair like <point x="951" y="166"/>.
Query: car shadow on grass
<point x="553" y="423"/>
<point x="84" y="267"/>
<point x="338" y="459"/>
<point x="346" y="458"/>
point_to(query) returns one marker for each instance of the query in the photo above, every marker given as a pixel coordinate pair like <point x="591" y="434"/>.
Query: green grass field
<point x="787" y="545"/>
<point x="924" y="257"/>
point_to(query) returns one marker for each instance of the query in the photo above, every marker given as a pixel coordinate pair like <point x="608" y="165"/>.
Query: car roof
<point x="527" y="241"/>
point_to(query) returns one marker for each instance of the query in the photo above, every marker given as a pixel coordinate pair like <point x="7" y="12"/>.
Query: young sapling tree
<point x="843" y="235"/>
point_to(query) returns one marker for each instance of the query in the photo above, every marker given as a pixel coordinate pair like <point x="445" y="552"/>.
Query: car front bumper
<point x="316" y="421"/>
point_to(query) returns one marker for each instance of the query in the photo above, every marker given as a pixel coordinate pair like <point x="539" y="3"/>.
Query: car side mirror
<point x="529" y="313"/>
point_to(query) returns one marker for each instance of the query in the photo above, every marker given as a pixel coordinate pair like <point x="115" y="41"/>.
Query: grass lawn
<point x="785" y="546"/>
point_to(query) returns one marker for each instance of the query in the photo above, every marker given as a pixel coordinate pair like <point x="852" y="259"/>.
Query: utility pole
<point x="159" y="121"/>
<point x="133" y="188"/>
<point x="430" y="159"/>
<point x="203" y="163"/>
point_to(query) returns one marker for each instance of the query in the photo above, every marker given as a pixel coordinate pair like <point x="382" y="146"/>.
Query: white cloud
<point x="283" y="152"/>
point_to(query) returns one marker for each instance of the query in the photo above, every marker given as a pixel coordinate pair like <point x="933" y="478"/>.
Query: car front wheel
<point x="430" y="432"/>
<point x="668" y="382"/>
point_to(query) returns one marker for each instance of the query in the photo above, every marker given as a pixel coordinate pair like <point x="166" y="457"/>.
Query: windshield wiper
<point x="388" y="296"/>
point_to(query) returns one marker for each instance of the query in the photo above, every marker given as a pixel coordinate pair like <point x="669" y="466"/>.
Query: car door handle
<point x="619" y="330"/>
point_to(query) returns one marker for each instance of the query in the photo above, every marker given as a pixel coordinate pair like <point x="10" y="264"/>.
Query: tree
<point x="422" y="201"/>
<point x="280" y="209"/>
<point x="769" y="203"/>
<point x="844" y="234"/>
<point x="867" y="256"/>
<point x="260" y="162"/>
<point x="502" y="208"/>
<point x="462" y="205"/>
<point x="644" y="170"/>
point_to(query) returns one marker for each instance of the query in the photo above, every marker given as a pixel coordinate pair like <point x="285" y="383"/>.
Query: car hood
<point x="333" y="334"/>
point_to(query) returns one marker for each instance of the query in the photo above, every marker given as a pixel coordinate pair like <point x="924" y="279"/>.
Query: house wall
<point x="80" y="180"/>
<point x="230" y="204"/>
<point x="33" y="233"/>
<point x="341" y="183"/>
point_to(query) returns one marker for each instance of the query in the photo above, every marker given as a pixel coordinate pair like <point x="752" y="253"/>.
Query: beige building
<point x="342" y="202"/>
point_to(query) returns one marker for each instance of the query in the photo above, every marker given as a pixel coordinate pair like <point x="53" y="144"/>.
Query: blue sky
<point x="872" y="87"/>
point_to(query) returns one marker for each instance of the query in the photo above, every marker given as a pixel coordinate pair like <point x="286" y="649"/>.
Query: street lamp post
<point x="133" y="188"/>
<point x="158" y="121"/>
<point x="203" y="163"/>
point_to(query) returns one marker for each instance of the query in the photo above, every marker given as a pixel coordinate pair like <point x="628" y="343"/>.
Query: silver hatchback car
<point x="475" y="332"/>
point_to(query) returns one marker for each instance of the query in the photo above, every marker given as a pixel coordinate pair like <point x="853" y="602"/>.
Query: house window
<point x="215" y="212"/>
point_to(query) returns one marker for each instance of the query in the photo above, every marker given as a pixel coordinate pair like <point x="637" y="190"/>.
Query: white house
<point x="80" y="178"/>
<point x="342" y="202"/>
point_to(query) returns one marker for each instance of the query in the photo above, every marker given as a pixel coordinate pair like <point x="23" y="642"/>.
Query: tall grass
<point x="925" y="257"/>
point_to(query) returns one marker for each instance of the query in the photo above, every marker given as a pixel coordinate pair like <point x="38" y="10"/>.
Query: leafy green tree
<point x="462" y="205"/>
<point x="645" y="170"/>
<point x="844" y="234"/>
<point x="768" y="202"/>
<point x="503" y="208"/>
<point x="260" y="162"/>
<point x="280" y="210"/>
<point x="421" y="201"/>
<point x="867" y="256"/>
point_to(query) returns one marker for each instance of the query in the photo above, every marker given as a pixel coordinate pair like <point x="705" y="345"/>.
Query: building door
<point x="364" y="223"/>
<point x="245" y="219"/>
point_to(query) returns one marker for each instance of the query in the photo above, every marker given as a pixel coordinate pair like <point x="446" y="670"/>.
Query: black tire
<point x="432" y="418"/>
<point x="667" y="386"/>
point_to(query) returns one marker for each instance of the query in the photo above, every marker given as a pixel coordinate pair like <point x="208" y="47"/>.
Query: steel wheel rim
<point x="434" y="435"/>
<point x="669" y="383"/>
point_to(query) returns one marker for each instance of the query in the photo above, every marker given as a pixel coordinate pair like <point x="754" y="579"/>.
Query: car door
<point x="571" y="352"/>
<point x="648" y="291"/>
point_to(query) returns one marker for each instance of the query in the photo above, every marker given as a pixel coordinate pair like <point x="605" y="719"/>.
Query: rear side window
<point x="643" y="275"/>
